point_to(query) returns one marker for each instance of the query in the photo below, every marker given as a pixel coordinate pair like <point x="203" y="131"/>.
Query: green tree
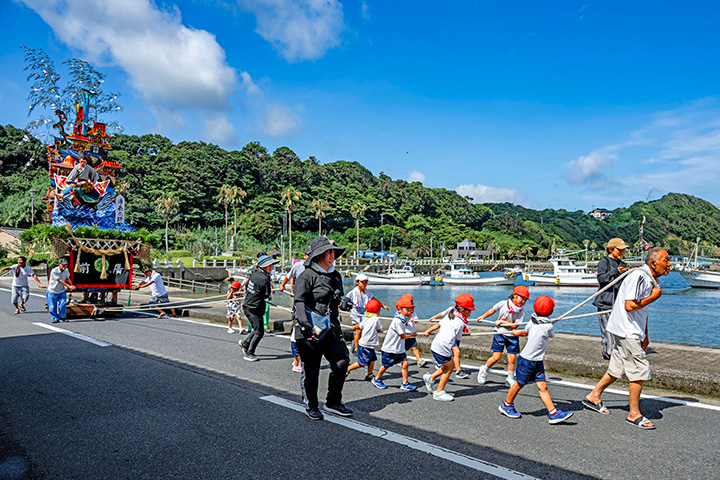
<point x="167" y="205"/>
<point x="290" y="197"/>
<point x="320" y="207"/>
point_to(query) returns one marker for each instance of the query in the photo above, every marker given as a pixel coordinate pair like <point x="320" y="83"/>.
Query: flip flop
<point x="161" y="315"/>
<point x="596" y="407"/>
<point x="641" y="422"/>
<point x="16" y="312"/>
<point x="22" y="308"/>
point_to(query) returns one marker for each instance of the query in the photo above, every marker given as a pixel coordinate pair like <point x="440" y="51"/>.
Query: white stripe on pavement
<point x="74" y="335"/>
<point x="428" y="448"/>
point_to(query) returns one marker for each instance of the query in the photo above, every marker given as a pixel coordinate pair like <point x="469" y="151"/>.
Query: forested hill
<point x="410" y="214"/>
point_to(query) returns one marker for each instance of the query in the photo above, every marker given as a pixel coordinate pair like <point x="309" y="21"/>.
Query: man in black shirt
<point x="258" y="290"/>
<point x="609" y="268"/>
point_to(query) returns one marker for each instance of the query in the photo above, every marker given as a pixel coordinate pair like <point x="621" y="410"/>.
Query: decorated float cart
<point x="82" y="194"/>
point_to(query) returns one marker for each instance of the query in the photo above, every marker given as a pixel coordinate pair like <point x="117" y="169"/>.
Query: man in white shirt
<point x="159" y="294"/>
<point x="628" y="325"/>
<point x="55" y="295"/>
<point x="20" y="287"/>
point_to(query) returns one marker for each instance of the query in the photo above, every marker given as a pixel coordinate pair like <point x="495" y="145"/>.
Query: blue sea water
<point x="682" y="315"/>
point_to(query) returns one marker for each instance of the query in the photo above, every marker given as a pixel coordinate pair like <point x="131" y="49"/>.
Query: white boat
<point x="697" y="275"/>
<point x="396" y="276"/>
<point x="462" y="275"/>
<point x="240" y="274"/>
<point x="566" y="273"/>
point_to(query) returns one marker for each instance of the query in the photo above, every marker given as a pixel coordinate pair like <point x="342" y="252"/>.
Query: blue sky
<point x="558" y="104"/>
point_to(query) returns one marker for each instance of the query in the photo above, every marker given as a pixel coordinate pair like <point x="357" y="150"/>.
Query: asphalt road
<point x="170" y="398"/>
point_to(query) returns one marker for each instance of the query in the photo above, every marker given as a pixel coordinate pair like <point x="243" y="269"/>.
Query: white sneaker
<point x="443" y="396"/>
<point x="428" y="382"/>
<point x="482" y="377"/>
<point x="509" y="382"/>
<point x="230" y="330"/>
<point x="421" y="362"/>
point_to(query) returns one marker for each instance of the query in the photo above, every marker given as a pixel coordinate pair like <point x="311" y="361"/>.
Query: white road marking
<point x="74" y="335"/>
<point x="428" y="448"/>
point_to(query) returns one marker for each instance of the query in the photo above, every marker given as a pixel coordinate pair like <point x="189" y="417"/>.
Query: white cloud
<point x="365" y="10"/>
<point x="416" y="176"/>
<point x="218" y="129"/>
<point x="280" y="121"/>
<point x="170" y="64"/>
<point x="592" y="168"/>
<point x="250" y="87"/>
<point x="676" y="151"/>
<point x="485" y="194"/>
<point x="298" y="29"/>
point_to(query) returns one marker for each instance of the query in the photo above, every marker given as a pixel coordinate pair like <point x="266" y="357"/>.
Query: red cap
<point x="522" y="291"/>
<point x="373" y="306"/>
<point x="544" y="306"/>
<point x="405" y="301"/>
<point x="465" y="300"/>
<point x="236" y="284"/>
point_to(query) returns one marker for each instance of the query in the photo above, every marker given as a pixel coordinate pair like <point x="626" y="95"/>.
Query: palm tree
<point x="224" y="196"/>
<point x="237" y="197"/>
<point x="167" y="205"/>
<point x="357" y="211"/>
<point x="320" y="206"/>
<point x="290" y="196"/>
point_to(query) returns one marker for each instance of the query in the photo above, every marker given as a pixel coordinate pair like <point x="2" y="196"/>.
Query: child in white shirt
<point x="510" y="313"/>
<point x="393" y="349"/>
<point x="450" y="334"/>
<point x="369" y="328"/>
<point x="530" y="366"/>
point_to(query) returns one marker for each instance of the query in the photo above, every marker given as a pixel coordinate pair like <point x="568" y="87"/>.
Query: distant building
<point x="467" y="249"/>
<point x="10" y="240"/>
<point x="600" y="213"/>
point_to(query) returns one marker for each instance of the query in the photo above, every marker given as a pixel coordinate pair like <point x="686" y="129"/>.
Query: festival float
<point x="82" y="194"/>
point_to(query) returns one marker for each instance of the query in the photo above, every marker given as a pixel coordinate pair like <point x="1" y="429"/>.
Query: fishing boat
<point x="395" y="276"/>
<point x="698" y="275"/>
<point x="456" y="274"/>
<point x="566" y="273"/>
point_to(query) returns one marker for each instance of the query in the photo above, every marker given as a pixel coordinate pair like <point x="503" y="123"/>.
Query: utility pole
<point x="32" y="207"/>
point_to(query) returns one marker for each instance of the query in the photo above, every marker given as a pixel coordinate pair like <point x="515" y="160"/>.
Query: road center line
<point x="74" y="335"/>
<point x="428" y="448"/>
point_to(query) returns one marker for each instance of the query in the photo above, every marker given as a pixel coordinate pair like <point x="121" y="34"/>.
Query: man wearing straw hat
<point x="608" y="269"/>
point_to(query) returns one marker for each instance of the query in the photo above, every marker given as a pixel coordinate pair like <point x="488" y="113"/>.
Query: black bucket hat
<point x="319" y="246"/>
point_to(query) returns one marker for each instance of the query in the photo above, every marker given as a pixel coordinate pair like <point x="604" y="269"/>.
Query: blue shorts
<point x="390" y="359"/>
<point x="440" y="360"/>
<point x="501" y="342"/>
<point x="528" y="371"/>
<point x="294" y="350"/>
<point x="410" y="343"/>
<point x="366" y="355"/>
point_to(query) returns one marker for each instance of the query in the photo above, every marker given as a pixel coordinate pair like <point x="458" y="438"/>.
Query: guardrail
<point x="193" y="285"/>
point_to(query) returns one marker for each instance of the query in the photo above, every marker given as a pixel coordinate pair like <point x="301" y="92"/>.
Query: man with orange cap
<point x="510" y="314"/>
<point x="608" y="269"/>
<point x="393" y="349"/>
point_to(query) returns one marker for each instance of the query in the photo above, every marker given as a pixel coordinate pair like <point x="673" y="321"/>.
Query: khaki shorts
<point x="629" y="357"/>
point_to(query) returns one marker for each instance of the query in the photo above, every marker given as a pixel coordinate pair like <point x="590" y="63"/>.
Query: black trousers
<point x="255" y="317"/>
<point x="333" y="348"/>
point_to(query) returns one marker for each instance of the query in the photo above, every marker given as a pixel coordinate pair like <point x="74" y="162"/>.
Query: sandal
<point x="641" y="422"/>
<point x="596" y="407"/>
<point x="23" y="308"/>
